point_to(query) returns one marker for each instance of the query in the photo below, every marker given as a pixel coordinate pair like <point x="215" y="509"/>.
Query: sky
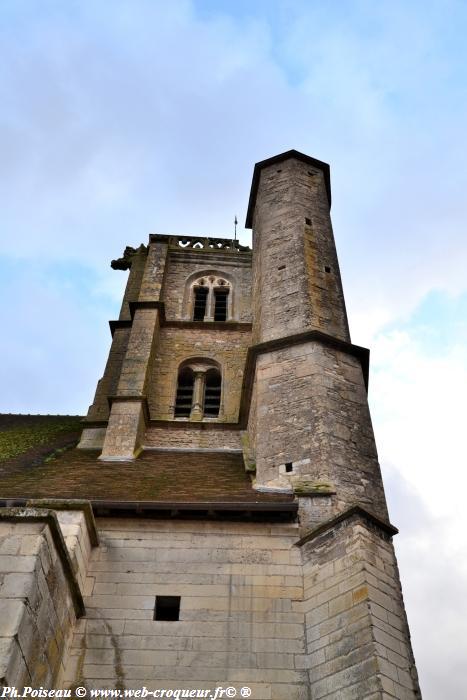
<point x="125" y="117"/>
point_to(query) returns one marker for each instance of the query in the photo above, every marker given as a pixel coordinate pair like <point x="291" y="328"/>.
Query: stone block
<point x="11" y="615"/>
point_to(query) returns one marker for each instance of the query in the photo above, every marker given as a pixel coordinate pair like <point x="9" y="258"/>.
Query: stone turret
<point x="296" y="276"/>
<point x="312" y="431"/>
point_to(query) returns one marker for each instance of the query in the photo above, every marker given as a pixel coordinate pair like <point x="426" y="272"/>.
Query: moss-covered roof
<point x="45" y="470"/>
<point x="27" y="440"/>
<point x="154" y="476"/>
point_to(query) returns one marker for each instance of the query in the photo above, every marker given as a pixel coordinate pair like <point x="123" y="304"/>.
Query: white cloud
<point x="434" y="585"/>
<point x="418" y="410"/>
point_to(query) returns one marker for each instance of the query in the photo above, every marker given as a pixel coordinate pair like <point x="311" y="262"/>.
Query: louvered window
<point x="199" y="311"/>
<point x="212" y="394"/>
<point x="220" y="305"/>
<point x="184" y="396"/>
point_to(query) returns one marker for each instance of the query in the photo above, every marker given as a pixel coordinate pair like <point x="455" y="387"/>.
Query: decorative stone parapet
<point x="200" y="243"/>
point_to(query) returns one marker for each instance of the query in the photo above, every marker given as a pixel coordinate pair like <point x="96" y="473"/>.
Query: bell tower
<point x="233" y="391"/>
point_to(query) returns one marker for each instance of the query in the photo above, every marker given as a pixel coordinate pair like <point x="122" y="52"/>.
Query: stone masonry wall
<point x="154" y="272"/>
<point x="357" y="637"/>
<point x="184" y="265"/>
<point x="192" y="436"/>
<point x="126" y="426"/>
<point x="144" y="284"/>
<point x="293" y="245"/>
<point x="107" y="386"/>
<point x="312" y="409"/>
<point x="227" y="347"/>
<point x="36" y="608"/>
<point x="239" y="585"/>
<point x="133" y="285"/>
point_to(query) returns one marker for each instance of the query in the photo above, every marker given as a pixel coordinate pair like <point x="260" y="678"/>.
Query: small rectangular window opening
<point x="308" y="222"/>
<point x="220" y="305"/>
<point x="327" y="268"/>
<point x="288" y="467"/>
<point x="199" y="311"/>
<point x="167" y="608"/>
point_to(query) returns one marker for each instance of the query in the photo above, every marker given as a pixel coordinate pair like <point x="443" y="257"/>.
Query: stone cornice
<point x="198" y="325"/>
<point x="116" y="325"/>
<point x="70" y="504"/>
<point x="212" y="509"/>
<point x="136" y="305"/>
<point x="210" y="325"/>
<point x="48" y="517"/>
<point x="130" y="398"/>
<point x="361" y="354"/>
<point x="356" y="511"/>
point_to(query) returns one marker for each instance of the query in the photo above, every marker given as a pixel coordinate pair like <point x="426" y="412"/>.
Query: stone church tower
<point x="230" y="462"/>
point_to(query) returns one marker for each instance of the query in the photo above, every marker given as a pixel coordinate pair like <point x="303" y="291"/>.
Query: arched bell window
<point x="221" y="295"/>
<point x="199" y="390"/>
<point x="200" y="303"/>
<point x="211" y="299"/>
<point x="212" y="393"/>
<point x="184" y="398"/>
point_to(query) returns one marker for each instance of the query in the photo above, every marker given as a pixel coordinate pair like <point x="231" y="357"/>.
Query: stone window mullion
<point x="209" y="316"/>
<point x="198" y="396"/>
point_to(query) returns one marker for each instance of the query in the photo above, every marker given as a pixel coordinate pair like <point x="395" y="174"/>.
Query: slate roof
<point x="156" y="477"/>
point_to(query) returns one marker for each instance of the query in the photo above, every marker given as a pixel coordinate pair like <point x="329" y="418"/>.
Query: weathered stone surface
<point x="36" y="608"/>
<point x="321" y="620"/>
<point x="236" y="623"/>
<point x="293" y="247"/>
<point x="347" y="596"/>
<point x="228" y="348"/>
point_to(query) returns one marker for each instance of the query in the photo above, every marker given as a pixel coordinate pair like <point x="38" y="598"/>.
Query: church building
<point x="222" y="523"/>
